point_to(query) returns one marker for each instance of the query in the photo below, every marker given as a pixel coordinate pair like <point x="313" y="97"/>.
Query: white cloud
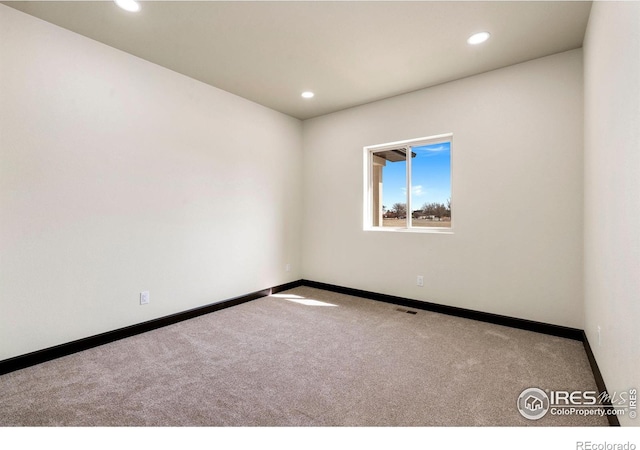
<point x="431" y="148"/>
<point x="416" y="191"/>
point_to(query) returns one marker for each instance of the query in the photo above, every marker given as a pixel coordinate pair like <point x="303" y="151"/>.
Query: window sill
<point x="425" y="230"/>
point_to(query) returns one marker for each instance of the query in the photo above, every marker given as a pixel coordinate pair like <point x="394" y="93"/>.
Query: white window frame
<point x="368" y="184"/>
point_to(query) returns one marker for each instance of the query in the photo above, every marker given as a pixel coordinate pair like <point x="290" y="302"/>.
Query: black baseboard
<point x="597" y="375"/>
<point x="40" y="356"/>
<point x="530" y="325"/>
<point x="286" y="286"/>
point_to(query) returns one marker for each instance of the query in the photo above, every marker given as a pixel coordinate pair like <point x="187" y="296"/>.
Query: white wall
<point x="612" y="192"/>
<point x="517" y="194"/>
<point x="118" y="176"/>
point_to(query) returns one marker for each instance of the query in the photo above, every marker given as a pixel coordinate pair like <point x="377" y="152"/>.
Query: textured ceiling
<point x="348" y="53"/>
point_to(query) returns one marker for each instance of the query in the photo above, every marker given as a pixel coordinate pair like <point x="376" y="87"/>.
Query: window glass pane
<point x="431" y="185"/>
<point x="389" y="188"/>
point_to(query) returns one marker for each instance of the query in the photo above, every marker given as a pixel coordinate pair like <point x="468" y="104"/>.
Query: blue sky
<point x="430" y="177"/>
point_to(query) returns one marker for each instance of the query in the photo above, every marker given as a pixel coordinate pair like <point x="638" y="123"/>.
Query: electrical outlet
<point x="287" y="268"/>
<point x="599" y="336"/>
<point x="420" y="281"/>
<point x="144" y="298"/>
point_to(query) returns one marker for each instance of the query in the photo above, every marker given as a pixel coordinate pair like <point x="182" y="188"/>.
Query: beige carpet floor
<point x="304" y="357"/>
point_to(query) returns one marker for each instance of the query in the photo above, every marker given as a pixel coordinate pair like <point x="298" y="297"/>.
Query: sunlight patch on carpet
<point x="302" y="300"/>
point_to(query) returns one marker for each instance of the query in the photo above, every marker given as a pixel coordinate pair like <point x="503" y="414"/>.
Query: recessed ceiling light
<point x="478" y="38"/>
<point x="128" y="5"/>
<point x="308" y="94"/>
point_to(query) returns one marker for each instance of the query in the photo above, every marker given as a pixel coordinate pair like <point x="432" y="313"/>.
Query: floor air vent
<point x="406" y="311"/>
